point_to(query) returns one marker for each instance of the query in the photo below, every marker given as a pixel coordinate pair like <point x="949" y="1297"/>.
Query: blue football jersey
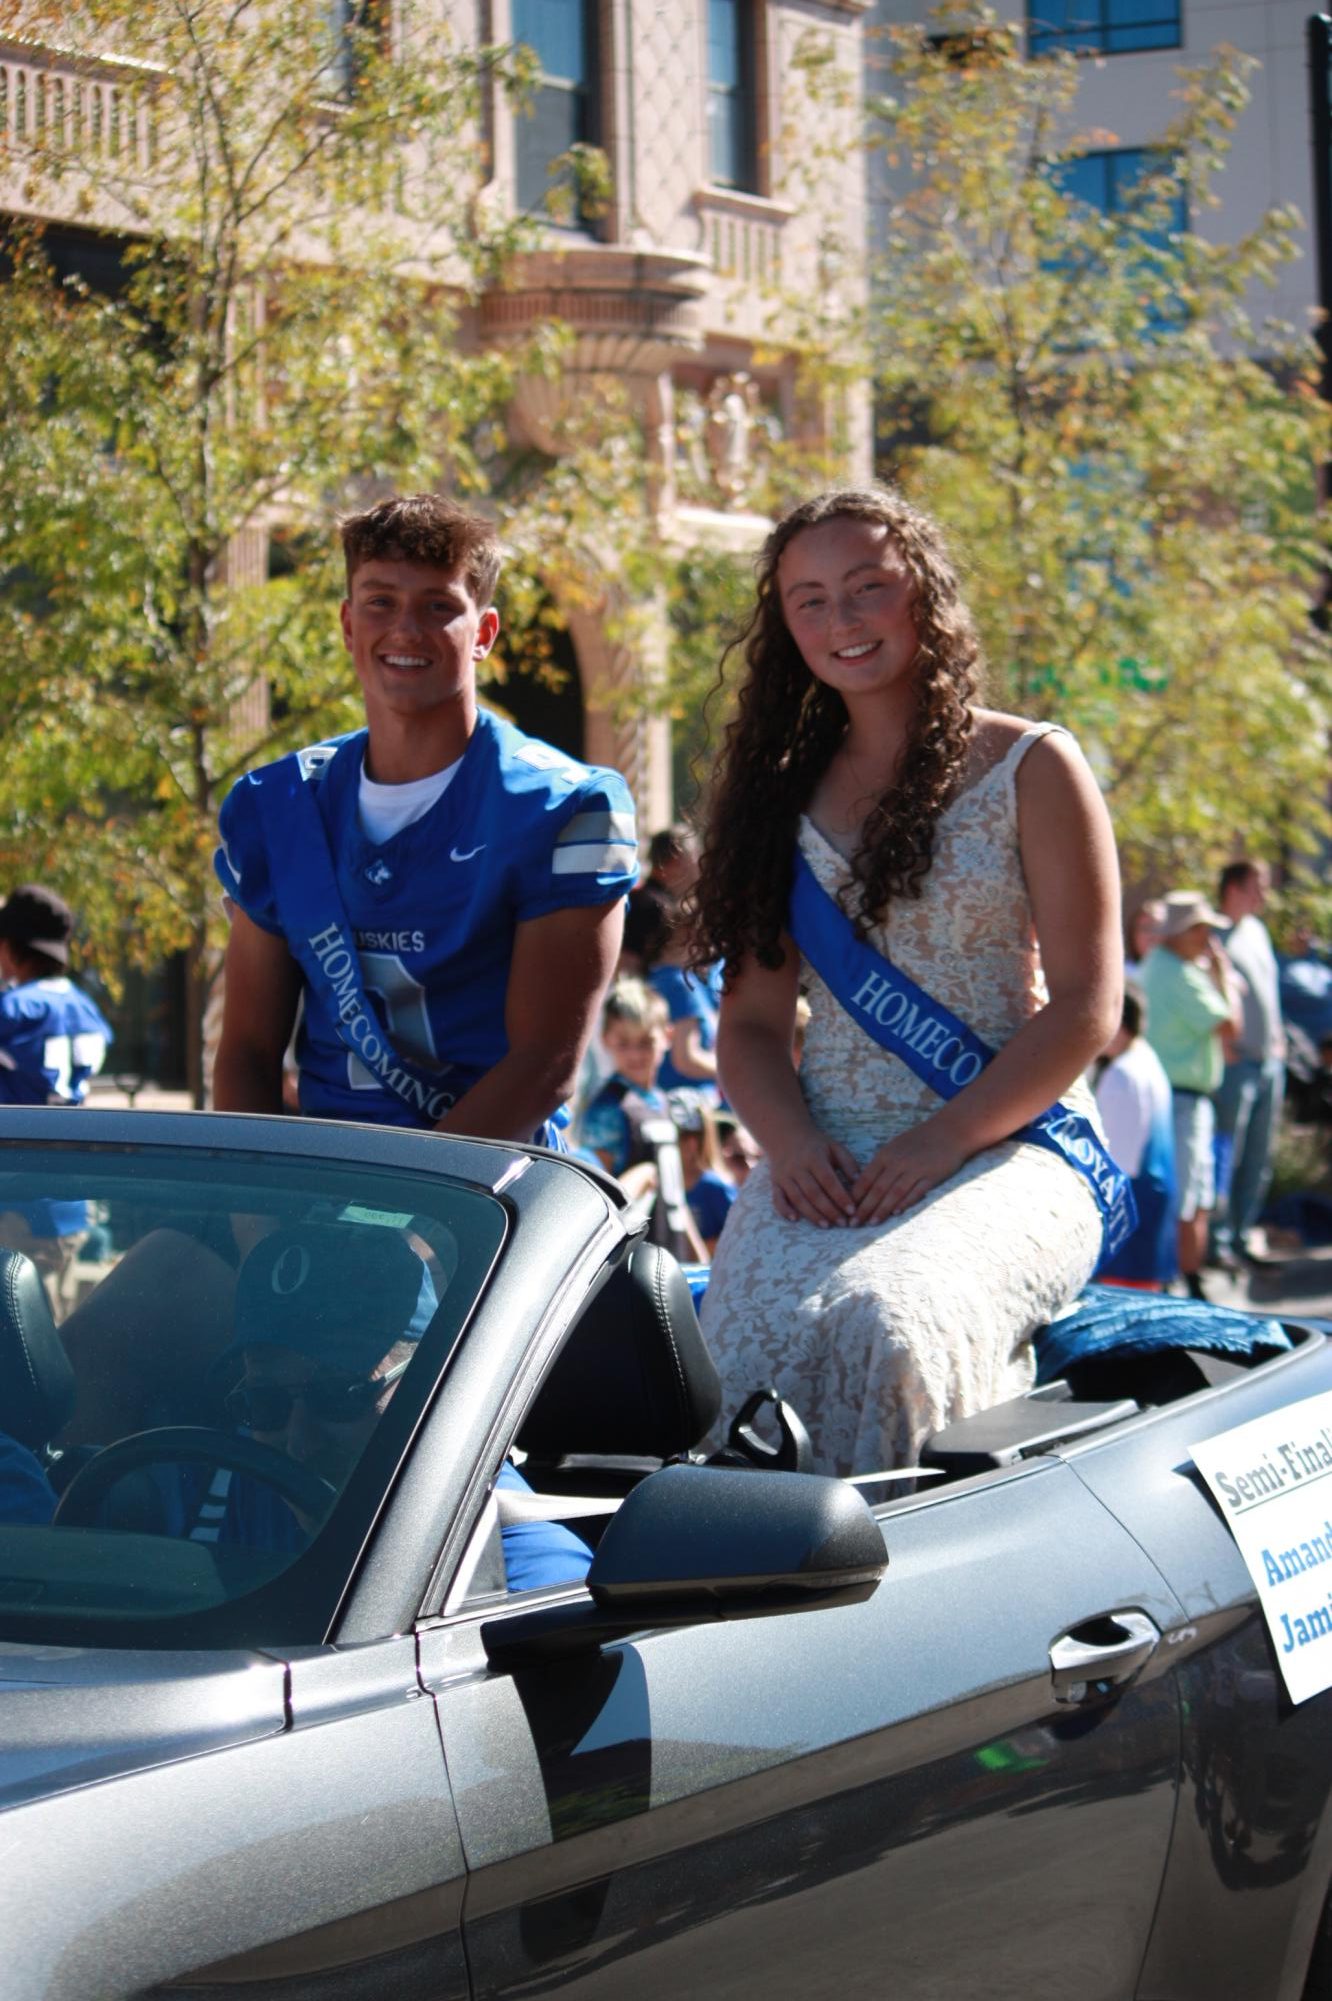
<point x="53" y="1040"/>
<point x="686" y="994"/>
<point x="521" y="830"/>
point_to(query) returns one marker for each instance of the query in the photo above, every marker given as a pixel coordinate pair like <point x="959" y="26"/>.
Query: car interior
<point x="632" y="1389"/>
<point x="613" y="1408"/>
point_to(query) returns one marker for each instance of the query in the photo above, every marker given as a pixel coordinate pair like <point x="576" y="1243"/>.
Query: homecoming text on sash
<point x="336" y="960"/>
<point x="942" y="1051"/>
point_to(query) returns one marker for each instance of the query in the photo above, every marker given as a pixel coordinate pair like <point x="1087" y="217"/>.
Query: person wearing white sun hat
<point x="1193" y="1009"/>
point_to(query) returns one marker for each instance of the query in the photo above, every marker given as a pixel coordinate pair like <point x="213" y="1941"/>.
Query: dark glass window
<point x="262" y="1321"/>
<point x="562" y="110"/>
<point x="732" y="159"/>
<point x="1106" y="181"/>
<point x="356" y="26"/>
<point x="1103" y="27"/>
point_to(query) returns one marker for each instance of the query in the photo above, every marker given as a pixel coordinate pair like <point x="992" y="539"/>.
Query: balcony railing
<point x="742" y="240"/>
<point x="89" y="110"/>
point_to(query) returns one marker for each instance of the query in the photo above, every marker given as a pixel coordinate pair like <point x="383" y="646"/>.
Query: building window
<point x="1108" y="182"/>
<point x="356" y="28"/>
<point x="1103" y="27"/>
<point x="561" y="111"/>
<point x="732" y="154"/>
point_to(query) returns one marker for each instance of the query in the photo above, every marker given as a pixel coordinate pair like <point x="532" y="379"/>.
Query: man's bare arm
<point x="562" y="965"/>
<point x="263" y="990"/>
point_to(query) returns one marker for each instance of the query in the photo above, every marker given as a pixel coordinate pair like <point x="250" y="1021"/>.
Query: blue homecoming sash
<point x="320" y="938"/>
<point x="935" y="1046"/>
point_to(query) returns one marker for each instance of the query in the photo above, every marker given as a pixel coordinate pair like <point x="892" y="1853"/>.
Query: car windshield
<point x="211" y="1364"/>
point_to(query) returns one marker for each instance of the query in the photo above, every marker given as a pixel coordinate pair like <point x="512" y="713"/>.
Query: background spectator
<point x="1248" y="1104"/>
<point x="672" y="867"/>
<point x="634" y="1030"/>
<point x="691" y="999"/>
<point x="53" y="1037"/>
<point x="1192" y="1003"/>
<point x="1134" y="1100"/>
<point x="707" y="1190"/>
<point x="53" y="1041"/>
<point x="1142" y="934"/>
<point x="739" y="1149"/>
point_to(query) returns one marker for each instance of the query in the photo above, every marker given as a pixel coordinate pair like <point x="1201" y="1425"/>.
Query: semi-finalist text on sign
<point x="1272" y="1480"/>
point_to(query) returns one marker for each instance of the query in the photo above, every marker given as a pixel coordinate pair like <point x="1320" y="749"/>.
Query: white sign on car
<point x="1272" y="1480"/>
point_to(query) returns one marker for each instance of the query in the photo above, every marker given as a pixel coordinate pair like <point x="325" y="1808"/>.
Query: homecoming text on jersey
<point x="520" y="831"/>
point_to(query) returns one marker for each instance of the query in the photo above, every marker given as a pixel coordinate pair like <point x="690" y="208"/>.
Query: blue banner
<point x="938" y="1048"/>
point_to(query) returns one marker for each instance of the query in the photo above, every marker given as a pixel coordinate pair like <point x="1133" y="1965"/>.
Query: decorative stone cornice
<point x="736" y="201"/>
<point x="740" y="534"/>
<point x="74" y="62"/>
<point x="642" y="304"/>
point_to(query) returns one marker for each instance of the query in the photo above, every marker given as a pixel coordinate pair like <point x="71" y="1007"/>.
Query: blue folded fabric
<point x="1112" y="1320"/>
<point x="698" y="1276"/>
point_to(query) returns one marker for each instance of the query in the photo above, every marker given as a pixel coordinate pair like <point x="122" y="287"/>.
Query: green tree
<point x="1126" y="461"/>
<point x="303" y="224"/>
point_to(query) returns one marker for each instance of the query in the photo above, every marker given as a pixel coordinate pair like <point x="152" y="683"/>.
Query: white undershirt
<point x="386" y="809"/>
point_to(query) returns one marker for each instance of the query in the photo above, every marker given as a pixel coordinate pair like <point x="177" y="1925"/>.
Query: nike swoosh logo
<point x="455" y="856"/>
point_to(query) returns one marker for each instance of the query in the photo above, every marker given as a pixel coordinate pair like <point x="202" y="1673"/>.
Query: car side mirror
<point x="693" y="1544"/>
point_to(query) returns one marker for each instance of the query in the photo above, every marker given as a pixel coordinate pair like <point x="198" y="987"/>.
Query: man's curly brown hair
<point x="787" y="726"/>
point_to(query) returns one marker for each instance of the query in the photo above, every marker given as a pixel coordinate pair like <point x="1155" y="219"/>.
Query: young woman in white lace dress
<point x="887" y="1262"/>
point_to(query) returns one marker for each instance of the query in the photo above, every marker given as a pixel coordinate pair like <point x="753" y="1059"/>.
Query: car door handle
<point x="1102" y="1654"/>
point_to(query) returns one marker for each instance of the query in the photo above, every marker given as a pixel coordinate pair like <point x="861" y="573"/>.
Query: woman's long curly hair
<point x="788" y="724"/>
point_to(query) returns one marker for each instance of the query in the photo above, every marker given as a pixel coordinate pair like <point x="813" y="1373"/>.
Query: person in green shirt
<point x="1193" y="1009"/>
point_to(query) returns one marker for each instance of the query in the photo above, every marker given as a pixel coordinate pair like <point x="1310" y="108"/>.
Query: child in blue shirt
<point x="634" y="1032"/>
<point x="707" y="1190"/>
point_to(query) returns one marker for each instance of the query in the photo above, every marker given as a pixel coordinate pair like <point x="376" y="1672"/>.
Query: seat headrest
<point x="635" y="1378"/>
<point x="36" y="1381"/>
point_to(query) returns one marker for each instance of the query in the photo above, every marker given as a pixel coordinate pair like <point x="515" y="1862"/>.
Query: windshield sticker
<point x="1272" y="1480"/>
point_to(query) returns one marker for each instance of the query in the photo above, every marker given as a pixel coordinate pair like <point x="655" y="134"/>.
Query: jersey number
<point x="64" y="1054"/>
<point x="403" y="1000"/>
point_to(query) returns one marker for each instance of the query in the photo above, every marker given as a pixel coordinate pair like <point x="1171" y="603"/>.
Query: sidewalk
<point x="106" y="1093"/>
<point x="1295" y="1287"/>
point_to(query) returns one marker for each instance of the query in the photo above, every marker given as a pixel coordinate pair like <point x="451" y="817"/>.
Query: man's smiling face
<point x="415" y="635"/>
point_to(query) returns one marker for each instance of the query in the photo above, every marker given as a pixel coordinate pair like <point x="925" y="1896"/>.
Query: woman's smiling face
<point x="848" y="599"/>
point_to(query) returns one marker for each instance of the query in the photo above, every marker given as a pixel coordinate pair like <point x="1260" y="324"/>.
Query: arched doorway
<point x="544" y="699"/>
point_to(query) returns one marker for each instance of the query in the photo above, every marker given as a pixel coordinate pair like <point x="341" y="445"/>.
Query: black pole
<point x="1319" y="33"/>
<point x="1320" y="130"/>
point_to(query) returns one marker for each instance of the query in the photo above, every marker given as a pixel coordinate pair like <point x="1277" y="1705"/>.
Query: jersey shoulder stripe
<point x="595" y="858"/>
<point x="598" y="826"/>
<point x="596" y="843"/>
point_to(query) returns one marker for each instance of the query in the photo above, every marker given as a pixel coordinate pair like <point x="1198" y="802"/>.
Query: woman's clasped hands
<point x="816" y="1179"/>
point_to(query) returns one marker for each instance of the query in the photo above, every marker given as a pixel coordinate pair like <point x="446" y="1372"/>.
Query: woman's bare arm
<point x="811" y="1173"/>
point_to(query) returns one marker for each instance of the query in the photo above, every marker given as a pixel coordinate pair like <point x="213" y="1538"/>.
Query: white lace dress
<point x="878" y="1336"/>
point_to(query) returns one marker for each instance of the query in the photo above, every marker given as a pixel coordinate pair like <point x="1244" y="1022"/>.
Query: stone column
<point x="620" y="729"/>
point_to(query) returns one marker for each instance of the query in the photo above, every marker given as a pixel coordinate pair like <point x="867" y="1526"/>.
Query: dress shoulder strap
<point x="1018" y="749"/>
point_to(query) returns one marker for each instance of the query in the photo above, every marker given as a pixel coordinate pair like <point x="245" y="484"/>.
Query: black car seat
<point x="635" y="1384"/>
<point x="36" y="1380"/>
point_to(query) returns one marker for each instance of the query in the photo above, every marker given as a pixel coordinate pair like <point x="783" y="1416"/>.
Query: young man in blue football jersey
<point x="53" y="1041"/>
<point x="444" y="893"/>
<point x="53" y="1038"/>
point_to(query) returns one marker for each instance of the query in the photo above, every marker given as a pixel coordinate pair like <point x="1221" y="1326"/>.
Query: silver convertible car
<point x="372" y="1625"/>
